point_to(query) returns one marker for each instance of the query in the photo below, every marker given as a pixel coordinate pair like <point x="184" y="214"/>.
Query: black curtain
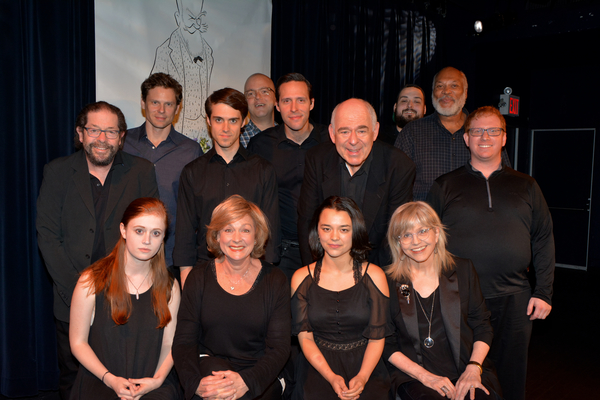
<point x="355" y="48"/>
<point x="48" y="75"/>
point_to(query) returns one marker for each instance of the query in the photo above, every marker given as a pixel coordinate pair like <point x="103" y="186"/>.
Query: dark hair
<point x="233" y="98"/>
<point x="160" y="79"/>
<point x="293" y="77"/>
<point x="413" y="86"/>
<point x="360" y="237"/>
<point x="82" y="119"/>
<point x="108" y="274"/>
<point x="482" y="112"/>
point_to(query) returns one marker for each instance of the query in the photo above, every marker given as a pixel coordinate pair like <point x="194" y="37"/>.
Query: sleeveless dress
<point x="130" y="350"/>
<point x="341" y="322"/>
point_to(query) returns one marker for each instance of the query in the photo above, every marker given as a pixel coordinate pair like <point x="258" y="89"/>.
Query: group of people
<point x="296" y="229"/>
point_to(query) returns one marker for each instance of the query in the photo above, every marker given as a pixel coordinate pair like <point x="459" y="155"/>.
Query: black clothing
<point x="388" y="133"/>
<point x="205" y="183"/>
<point x="354" y="186"/>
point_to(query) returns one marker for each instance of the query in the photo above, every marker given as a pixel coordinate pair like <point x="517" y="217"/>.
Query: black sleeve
<point x="184" y="252"/>
<point x="307" y="205"/>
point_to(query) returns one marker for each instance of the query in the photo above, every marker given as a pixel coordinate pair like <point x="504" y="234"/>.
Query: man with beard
<point x="260" y="95"/>
<point x="79" y="209"/>
<point x="410" y="106"/>
<point x="435" y="142"/>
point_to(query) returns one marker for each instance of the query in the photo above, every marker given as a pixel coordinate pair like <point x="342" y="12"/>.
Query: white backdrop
<point x="128" y="34"/>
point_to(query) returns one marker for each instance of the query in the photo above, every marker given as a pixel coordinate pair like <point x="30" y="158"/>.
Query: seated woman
<point x="443" y="330"/>
<point x="123" y="314"/>
<point x="233" y="331"/>
<point x="339" y="310"/>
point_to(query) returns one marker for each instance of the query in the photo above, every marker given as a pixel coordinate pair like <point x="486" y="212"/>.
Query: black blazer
<point x="389" y="185"/>
<point x="66" y="218"/>
<point x="465" y="317"/>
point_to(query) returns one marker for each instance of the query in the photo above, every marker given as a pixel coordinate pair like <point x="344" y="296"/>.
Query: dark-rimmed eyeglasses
<point x="95" y="132"/>
<point x="490" y="131"/>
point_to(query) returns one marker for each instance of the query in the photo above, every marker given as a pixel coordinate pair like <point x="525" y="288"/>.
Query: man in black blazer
<point x="79" y="209"/>
<point x="376" y="175"/>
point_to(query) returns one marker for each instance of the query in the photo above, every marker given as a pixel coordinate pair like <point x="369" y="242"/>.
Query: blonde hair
<point x="404" y="219"/>
<point x="233" y="209"/>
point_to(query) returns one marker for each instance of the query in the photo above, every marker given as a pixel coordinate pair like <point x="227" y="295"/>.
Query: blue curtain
<point x="48" y="75"/>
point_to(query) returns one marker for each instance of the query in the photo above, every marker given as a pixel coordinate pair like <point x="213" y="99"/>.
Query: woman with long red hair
<point x="124" y="312"/>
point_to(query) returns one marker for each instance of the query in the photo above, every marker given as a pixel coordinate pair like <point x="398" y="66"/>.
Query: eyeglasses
<point x="95" y="132"/>
<point x="490" y="131"/>
<point x="408" y="237"/>
<point x="266" y="91"/>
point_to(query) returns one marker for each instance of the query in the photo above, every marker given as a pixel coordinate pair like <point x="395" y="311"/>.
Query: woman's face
<point x="144" y="235"/>
<point x="237" y="239"/>
<point x="419" y="243"/>
<point x="335" y="232"/>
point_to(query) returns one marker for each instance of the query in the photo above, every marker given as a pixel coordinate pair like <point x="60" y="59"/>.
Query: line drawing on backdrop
<point x="188" y="58"/>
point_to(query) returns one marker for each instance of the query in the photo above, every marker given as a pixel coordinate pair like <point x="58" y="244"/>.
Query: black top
<point x="206" y="182"/>
<point x="287" y="157"/>
<point x="354" y="186"/>
<point x="250" y="331"/>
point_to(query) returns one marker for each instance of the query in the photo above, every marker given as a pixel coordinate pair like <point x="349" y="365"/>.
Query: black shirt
<point x="206" y="182"/>
<point x="354" y="186"/>
<point x="287" y="157"/>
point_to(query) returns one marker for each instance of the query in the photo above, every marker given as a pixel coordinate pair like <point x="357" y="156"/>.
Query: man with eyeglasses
<point x="285" y="147"/>
<point x="498" y="218"/>
<point x="260" y="95"/>
<point x="81" y="202"/>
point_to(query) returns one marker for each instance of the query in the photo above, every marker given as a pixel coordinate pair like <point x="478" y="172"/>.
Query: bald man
<point x="260" y="95"/>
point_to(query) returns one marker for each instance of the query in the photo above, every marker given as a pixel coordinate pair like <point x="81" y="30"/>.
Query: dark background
<point x="547" y="51"/>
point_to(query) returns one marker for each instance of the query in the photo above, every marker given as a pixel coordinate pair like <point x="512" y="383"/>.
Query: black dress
<point x="341" y="322"/>
<point x="131" y="350"/>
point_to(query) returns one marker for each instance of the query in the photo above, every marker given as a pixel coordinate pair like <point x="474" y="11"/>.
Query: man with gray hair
<point x="435" y="142"/>
<point x="375" y="175"/>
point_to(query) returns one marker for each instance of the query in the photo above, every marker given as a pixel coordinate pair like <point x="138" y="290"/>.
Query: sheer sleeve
<point x="379" y="325"/>
<point x="300" y="322"/>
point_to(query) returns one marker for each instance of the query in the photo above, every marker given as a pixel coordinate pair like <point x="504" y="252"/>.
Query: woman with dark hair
<point x="233" y="331"/>
<point x="443" y="331"/>
<point x="123" y="314"/>
<point x="339" y="310"/>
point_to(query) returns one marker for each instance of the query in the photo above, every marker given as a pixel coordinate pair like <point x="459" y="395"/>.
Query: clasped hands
<point x="222" y="385"/>
<point x="352" y="391"/>
<point x="131" y="389"/>
<point x="466" y="384"/>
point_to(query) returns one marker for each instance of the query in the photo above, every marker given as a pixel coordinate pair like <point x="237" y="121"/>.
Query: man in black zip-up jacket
<point x="498" y="218"/>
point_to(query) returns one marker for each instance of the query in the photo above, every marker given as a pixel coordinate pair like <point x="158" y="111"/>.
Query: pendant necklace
<point x="137" y="288"/>
<point x="234" y="284"/>
<point x="428" y="342"/>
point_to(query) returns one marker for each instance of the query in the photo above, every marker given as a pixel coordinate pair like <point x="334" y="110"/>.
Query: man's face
<point x="294" y="105"/>
<point x="260" y="94"/>
<point x="449" y="92"/>
<point x="485" y="148"/>
<point x="225" y="126"/>
<point x="160" y="107"/>
<point x="410" y="106"/>
<point x="353" y="133"/>
<point x="189" y="16"/>
<point x="100" y="151"/>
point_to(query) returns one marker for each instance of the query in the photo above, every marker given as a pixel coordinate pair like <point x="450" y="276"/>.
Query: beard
<point x="402" y="120"/>
<point x="100" y="161"/>
<point x="453" y="109"/>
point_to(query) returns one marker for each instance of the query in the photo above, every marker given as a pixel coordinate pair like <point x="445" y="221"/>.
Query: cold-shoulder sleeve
<point x="379" y="324"/>
<point x="300" y="322"/>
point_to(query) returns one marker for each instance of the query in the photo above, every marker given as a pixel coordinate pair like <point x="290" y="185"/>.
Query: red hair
<point x="108" y="274"/>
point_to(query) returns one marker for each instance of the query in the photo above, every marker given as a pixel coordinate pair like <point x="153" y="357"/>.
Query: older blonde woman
<point x="233" y="334"/>
<point x="443" y="332"/>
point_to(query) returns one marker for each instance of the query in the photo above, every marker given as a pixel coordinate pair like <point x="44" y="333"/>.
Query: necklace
<point x="234" y="284"/>
<point x="137" y="288"/>
<point x="428" y="342"/>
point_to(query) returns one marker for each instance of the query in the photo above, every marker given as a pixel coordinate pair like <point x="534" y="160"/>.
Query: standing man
<point x="376" y="176"/>
<point x="410" y="106"/>
<point x="226" y="169"/>
<point x="158" y="142"/>
<point x="79" y="209"/>
<point x="435" y="142"/>
<point x="285" y="147"/>
<point x="260" y="94"/>
<point x="498" y="218"/>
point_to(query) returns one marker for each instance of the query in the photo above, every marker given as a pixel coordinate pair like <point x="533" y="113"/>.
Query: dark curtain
<point x="355" y="48"/>
<point x="48" y="75"/>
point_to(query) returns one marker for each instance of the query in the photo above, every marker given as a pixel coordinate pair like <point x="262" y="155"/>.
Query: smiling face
<point x="100" y="151"/>
<point x="225" y="126"/>
<point x="237" y="240"/>
<point x="260" y="94"/>
<point x="295" y="105"/>
<point x="160" y="107"/>
<point x="143" y="236"/>
<point x="449" y="92"/>
<point x="485" y="149"/>
<point x="335" y="232"/>
<point x="353" y="132"/>
<point x="410" y="106"/>
<point x="421" y="246"/>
